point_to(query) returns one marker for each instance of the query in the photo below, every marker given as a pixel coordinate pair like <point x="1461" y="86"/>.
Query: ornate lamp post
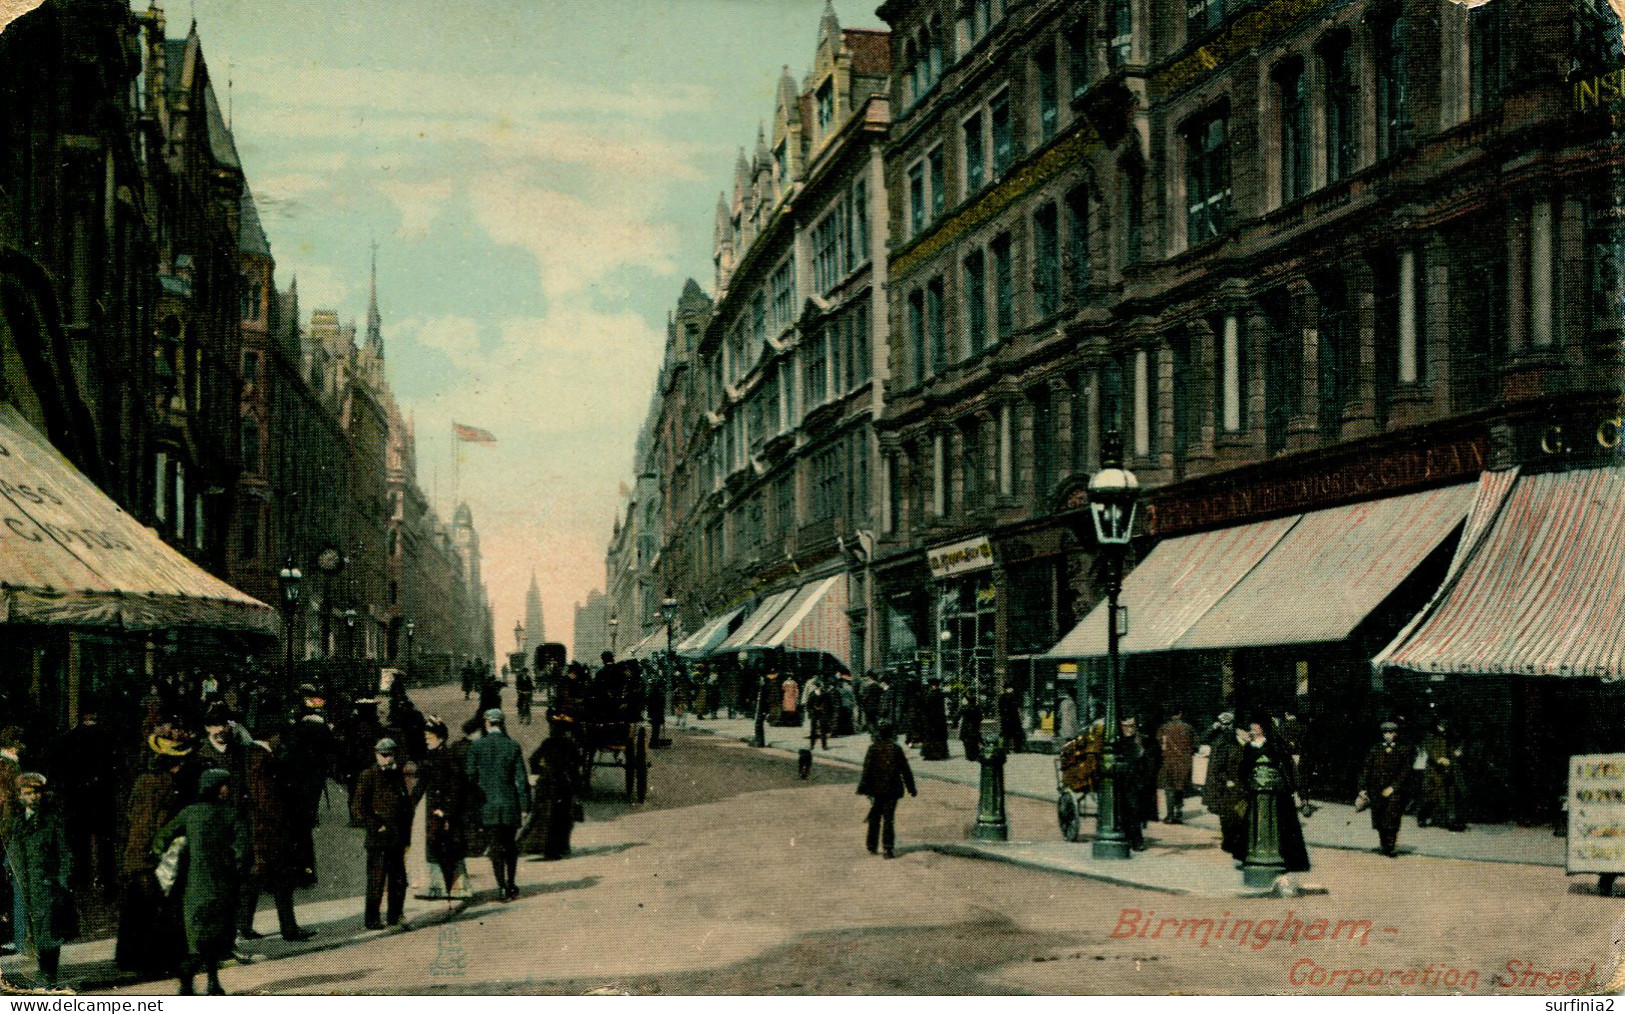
<point x="411" y="631"/>
<point x="614" y="627"/>
<point x="668" y="612"/>
<point x="1113" y="498"/>
<point x="349" y="633"/>
<point x="288" y="578"/>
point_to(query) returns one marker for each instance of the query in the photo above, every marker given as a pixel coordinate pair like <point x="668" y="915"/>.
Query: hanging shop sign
<point x="1597" y="813"/>
<point x="960" y="558"/>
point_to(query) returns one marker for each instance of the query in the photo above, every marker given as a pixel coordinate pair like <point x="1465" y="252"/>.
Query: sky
<point x="540" y="177"/>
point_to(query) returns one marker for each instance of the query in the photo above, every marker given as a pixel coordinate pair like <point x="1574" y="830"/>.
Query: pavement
<point x="1177" y="862"/>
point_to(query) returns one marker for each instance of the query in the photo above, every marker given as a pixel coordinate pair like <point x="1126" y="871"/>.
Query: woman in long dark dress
<point x="151" y="941"/>
<point x="444" y="788"/>
<point x="933" y="723"/>
<point x="557" y="766"/>
<point x="1266" y="777"/>
<point x="215" y="859"/>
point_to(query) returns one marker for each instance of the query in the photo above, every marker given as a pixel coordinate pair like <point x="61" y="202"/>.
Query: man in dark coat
<point x="1222" y="793"/>
<point x="1178" y="744"/>
<point x="1382" y="787"/>
<point x="151" y="941"/>
<point x="1444" y="790"/>
<point x="557" y="766"/>
<point x="275" y="853"/>
<point x="37" y="853"/>
<point x="215" y="856"/>
<point x="934" y="723"/>
<point x="885" y="775"/>
<point x="86" y="767"/>
<point x="497" y="765"/>
<point x="970" y="728"/>
<point x="383" y="806"/>
<point x="309" y="750"/>
<point x="1011" y="728"/>
<point x="1135" y="767"/>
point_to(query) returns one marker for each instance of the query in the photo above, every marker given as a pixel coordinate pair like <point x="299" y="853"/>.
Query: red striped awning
<point x="822" y="623"/>
<point x="1540" y="593"/>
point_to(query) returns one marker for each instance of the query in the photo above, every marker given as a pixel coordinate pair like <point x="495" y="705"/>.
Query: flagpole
<point x="456" y="454"/>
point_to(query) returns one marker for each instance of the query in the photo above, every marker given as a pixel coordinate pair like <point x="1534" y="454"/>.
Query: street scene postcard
<point x="796" y="498"/>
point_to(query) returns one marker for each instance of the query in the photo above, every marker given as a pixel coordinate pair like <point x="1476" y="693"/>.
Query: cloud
<point x="457" y="338"/>
<point x="419" y="204"/>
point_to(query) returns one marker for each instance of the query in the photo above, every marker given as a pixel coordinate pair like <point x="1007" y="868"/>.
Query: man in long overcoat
<point x="383" y="806"/>
<point x="885" y="775"/>
<point x="934" y="723"/>
<point x="85" y="769"/>
<point x="1178" y="742"/>
<point x="497" y="765"/>
<point x="37" y="853"/>
<point x="216" y="854"/>
<point x="1136" y="767"/>
<point x="1383" y="782"/>
<point x="276" y="861"/>
<point x="1222" y="793"/>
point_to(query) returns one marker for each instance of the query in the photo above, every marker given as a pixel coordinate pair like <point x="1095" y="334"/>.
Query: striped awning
<point x="654" y="643"/>
<point x="1304" y="579"/>
<point x="765" y="613"/>
<point x="70" y="555"/>
<point x="1538" y="592"/>
<point x="814" y="619"/>
<point x="704" y="640"/>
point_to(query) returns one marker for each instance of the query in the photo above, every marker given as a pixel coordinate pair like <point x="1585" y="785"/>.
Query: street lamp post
<point x="518" y="637"/>
<point x="614" y="626"/>
<point x="288" y="579"/>
<point x="1113" y="497"/>
<point x="411" y="631"/>
<point x="668" y="612"/>
<point x="349" y="634"/>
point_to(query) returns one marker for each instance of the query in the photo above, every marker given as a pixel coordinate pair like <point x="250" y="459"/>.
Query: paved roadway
<point x="738" y="877"/>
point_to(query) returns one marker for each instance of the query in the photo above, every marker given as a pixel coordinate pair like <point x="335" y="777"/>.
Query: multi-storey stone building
<point x="1321" y="266"/>
<point x="764" y="440"/>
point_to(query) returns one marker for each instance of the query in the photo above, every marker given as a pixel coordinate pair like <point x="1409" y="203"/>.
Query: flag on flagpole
<point x="473" y="434"/>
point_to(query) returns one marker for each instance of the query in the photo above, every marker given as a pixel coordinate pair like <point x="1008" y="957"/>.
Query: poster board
<point x="1596" y="842"/>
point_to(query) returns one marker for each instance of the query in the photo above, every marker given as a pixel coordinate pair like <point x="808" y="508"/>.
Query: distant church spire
<point x="375" y="334"/>
<point x="535" y="632"/>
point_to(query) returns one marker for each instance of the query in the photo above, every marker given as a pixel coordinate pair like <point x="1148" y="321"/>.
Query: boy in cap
<point x="1382" y="787"/>
<point x="383" y="806"/>
<point x="885" y="775"/>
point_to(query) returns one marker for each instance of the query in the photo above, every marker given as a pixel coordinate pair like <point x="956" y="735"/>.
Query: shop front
<point x="93" y="604"/>
<point x="965" y="596"/>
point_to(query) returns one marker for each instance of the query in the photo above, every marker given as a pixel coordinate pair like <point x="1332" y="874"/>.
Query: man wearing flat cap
<point x="1382" y="787"/>
<point x="496" y="763"/>
<point x="383" y="806"/>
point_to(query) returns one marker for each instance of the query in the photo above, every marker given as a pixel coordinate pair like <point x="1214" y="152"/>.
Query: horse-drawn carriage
<point x="1077" y="776"/>
<point x="605" y="716"/>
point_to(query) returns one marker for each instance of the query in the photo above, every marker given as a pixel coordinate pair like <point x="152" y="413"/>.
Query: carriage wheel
<point x="1069" y="814"/>
<point x="641" y="762"/>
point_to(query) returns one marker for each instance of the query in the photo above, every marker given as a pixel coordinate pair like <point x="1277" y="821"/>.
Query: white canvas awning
<point x="69" y="555"/>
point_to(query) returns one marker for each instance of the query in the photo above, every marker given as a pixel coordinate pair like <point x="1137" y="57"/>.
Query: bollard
<point x="991" y="822"/>
<point x="1263" y="863"/>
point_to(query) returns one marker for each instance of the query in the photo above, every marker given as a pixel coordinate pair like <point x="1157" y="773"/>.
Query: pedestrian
<point x="1135" y="771"/>
<point x="524" y="689"/>
<point x="885" y="775"/>
<point x="1383" y="782"/>
<point x="361" y="734"/>
<point x="870" y="698"/>
<point x="84" y="771"/>
<point x="556" y="763"/>
<point x="970" y="728"/>
<point x="490" y="692"/>
<point x="1266" y="770"/>
<point x="214" y="857"/>
<point x="847" y="706"/>
<point x="820" y="702"/>
<point x="934" y="722"/>
<point x="1178" y="744"/>
<point x="1293" y="735"/>
<point x="274" y="851"/>
<point x="443" y="787"/>
<point x="1011" y="728"/>
<point x="151" y="940"/>
<point x="309" y="749"/>
<point x="1444" y="790"/>
<point x="497" y="765"/>
<point x="383" y="806"/>
<point x="473" y="802"/>
<point x="655" y="700"/>
<point x="41" y="865"/>
<point x="913" y="703"/>
<point x="1222" y="792"/>
<point x="11" y="747"/>
<point x="790" y="703"/>
<point x="468" y="680"/>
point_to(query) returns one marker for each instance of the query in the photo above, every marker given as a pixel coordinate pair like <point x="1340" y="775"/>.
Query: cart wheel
<point x="641" y="745"/>
<point x="1069" y="814"/>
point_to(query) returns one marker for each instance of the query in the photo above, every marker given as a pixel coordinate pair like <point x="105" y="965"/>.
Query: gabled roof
<point x="222" y="146"/>
<point x="251" y="237"/>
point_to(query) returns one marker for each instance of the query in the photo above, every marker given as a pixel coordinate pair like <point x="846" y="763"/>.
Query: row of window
<point x="840" y="240"/>
<point x="837" y="486"/>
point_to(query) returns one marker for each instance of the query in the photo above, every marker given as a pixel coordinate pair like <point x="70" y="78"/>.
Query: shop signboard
<point x="1597" y="813"/>
<point x="960" y="557"/>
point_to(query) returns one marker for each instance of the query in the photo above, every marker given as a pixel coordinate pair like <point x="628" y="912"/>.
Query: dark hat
<point x="434" y="725"/>
<point x="1389" y="727"/>
<point x="385" y="745"/>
